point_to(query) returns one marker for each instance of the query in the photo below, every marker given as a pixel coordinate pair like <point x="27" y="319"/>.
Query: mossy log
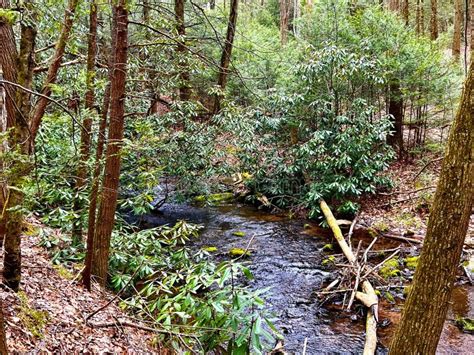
<point x="368" y="297"/>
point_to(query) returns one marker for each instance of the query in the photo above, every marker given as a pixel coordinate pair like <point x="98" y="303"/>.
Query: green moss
<point x="234" y="252"/>
<point x="466" y="324"/>
<point x="381" y="226"/>
<point x="409" y="221"/>
<point x="239" y="234"/>
<point x="7" y="16"/>
<point x="63" y="272"/>
<point x="210" y="249"/>
<point x="390" y="269"/>
<point x="33" y="320"/>
<point x="329" y="260"/>
<point x="372" y="232"/>
<point x="411" y="262"/>
<point x="389" y="297"/>
<point x="30" y="229"/>
<point x="328" y="247"/>
<point x="215" y="198"/>
<point x="406" y="290"/>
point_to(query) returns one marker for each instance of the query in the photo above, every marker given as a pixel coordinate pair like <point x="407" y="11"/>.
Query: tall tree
<point x="109" y="193"/>
<point x="395" y="109"/>
<point x="184" y="89"/>
<point x="434" y="20"/>
<point x="458" y="19"/>
<point x="420" y="17"/>
<point x="284" y="17"/>
<point x="394" y="5"/>
<point x="101" y="140"/>
<point x="405" y="10"/>
<point x="226" y="52"/>
<point x="41" y="105"/>
<point x="82" y="170"/>
<point x="428" y="301"/>
<point x="8" y="58"/>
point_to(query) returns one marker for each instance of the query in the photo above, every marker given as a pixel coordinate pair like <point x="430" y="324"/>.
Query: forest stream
<point x="286" y="256"/>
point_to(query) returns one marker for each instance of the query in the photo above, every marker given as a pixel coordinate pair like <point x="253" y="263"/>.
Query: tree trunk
<point x="20" y="141"/>
<point x="434" y="20"/>
<point x="82" y="171"/>
<point x="395" y="109"/>
<point x="394" y="5"/>
<point x="284" y="14"/>
<point x="226" y="52"/>
<point x="3" y="338"/>
<point x="8" y="56"/>
<point x="109" y="193"/>
<point x="405" y="11"/>
<point x="184" y="89"/>
<point x="101" y="140"/>
<point x="420" y="20"/>
<point x="458" y="19"/>
<point x="471" y="22"/>
<point x="428" y="301"/>
<point x="40" y="107"/>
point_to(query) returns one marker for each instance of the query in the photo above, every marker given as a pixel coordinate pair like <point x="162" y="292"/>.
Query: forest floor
<point x="48" y="314"/>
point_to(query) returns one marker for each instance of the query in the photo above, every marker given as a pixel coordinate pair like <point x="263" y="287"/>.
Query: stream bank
<point x="287" y="256"/>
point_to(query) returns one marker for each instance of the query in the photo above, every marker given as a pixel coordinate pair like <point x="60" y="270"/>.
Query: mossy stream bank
<point x="287" y="256"/>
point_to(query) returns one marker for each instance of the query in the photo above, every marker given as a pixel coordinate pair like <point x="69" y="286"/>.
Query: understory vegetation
<point x="317" y="109"/>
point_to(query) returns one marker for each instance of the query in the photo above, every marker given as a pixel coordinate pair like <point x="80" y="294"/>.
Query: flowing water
<point x="286" y="256"/>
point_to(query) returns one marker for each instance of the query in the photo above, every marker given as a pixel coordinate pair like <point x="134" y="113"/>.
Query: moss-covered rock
<point x="239" y="233"/>
<point x="235" y="252"/>
<point x="210" y="249"/>
<point x="215" y="198"/>
<point x="466" y="324"/>
<point x="328" y="247"/>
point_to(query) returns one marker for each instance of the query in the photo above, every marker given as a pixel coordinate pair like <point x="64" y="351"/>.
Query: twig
<point x="380" y="264"/>
<point x="305" y="344"/>
<point x="116" y="295"/>
<point x="425" y="166"/>
<point x="403" y="239"/>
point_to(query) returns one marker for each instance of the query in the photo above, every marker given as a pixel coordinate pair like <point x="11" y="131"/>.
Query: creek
<point x="286" y="256"/>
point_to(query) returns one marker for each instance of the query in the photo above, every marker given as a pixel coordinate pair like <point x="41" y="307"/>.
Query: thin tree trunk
<point x="227" y="52"/>
<point x="395" y="109"/>
<point x="394" y="5"/>
<point x="471" y="22"/>
<point x="284" y="13"/>
<point x="109" y="193"/>
<point x="434" y="20"/>
<point x="405" y="11"/>
<point x="184" y="89"/>
<point x="101" y="140"/>
<point x="458" y="19"/>
<point x="40" y="107"/>
<point x="3" y="338"/>
<point x="21" y="133"/>
<point x="8" y="56"/>
<point x="82" y="171"/>
<point x="428" y="301"/>
<point x="419" y="18"/>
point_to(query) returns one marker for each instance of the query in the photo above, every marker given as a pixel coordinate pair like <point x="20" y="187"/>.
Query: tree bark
<point x="405" y="11"/>
<point x="395" y="109"/>
<point x="42" y="103"/>
<point x="226" y="52"/>
<point x="3" y="338"/>
<point x="101" y="140"/>
<point x="428" y="301"/>
<point x="394" y="5"/>
<point x="458" y="19"/>
<point x="434" y="20"/>
<point x="82" y="171"/>
<point x="284" y="14"/>
<point x="109" y="193"/>
<point x="8" y="57"/>
<point x="184" y="89"/>
<point x="420" y="19"/>
<point x="19" y="141"/>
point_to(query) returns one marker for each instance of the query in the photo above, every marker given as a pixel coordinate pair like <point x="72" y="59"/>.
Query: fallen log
<point x="368" y="296"/>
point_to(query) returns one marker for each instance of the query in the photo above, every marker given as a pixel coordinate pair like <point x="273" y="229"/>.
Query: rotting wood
<point x="368" y="297"/>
